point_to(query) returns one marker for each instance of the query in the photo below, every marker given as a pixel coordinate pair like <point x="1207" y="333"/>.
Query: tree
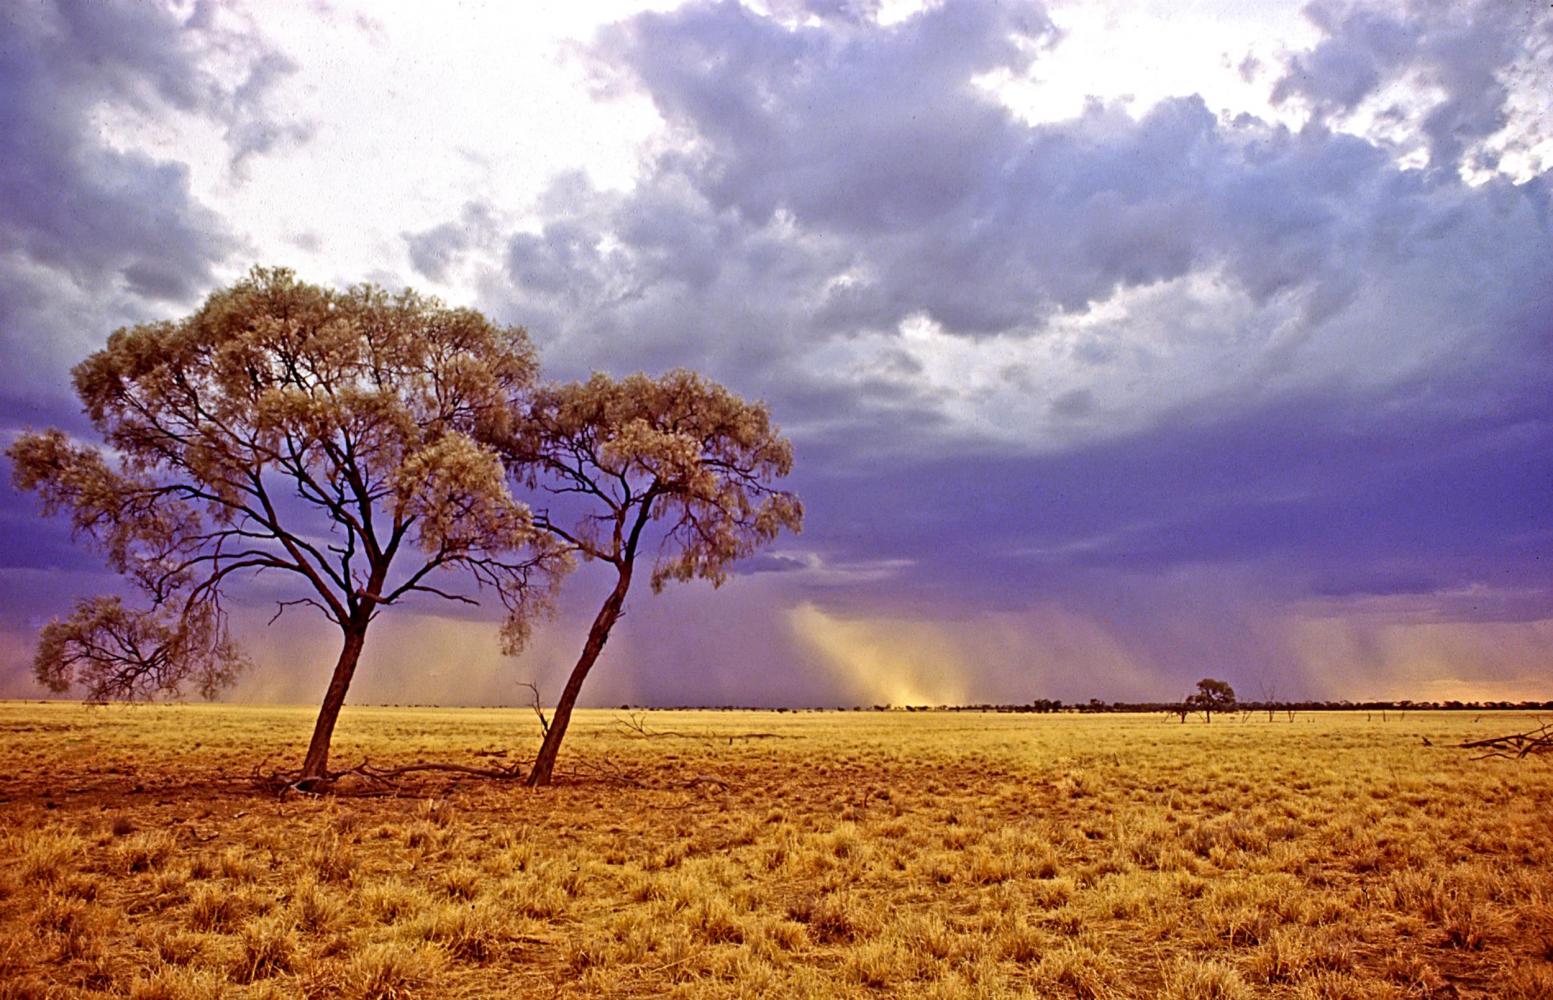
<point x="327" y="436"/>
<point x="677" y="464"/>
<point x="1269" y="690"/>
<point x="1212" y="696"/>
<point x="114" y="652"/>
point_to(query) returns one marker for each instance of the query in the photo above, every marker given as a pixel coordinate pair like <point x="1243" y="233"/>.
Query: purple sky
<point x="1120" y="345"/>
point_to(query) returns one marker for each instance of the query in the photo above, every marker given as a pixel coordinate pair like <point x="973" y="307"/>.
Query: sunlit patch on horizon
<point x="895" y="663"/>
<point x="1361" y="659"/>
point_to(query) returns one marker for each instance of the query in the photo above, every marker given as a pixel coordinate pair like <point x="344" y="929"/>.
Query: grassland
<point x="764" y="854"/>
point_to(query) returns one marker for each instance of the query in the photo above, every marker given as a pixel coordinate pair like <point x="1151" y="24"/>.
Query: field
<point x="775" y="855"/>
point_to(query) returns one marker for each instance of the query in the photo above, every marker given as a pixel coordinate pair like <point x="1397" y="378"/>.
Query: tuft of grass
<point x="881" y="964"/>
<point x="1204" y="979"/>
<point x="390" y="971"/>
<point x="171" y="982"/>
<point x="437" y="812"/>
<point x="313" y="908"/>
<point x="236" y="864"/>
<point x="269" y="948"/>
<point x="388" y="901"/>
<point x="1079" y="970"/>
<point x="467" y="932"/>
<point x="836" y="918"/>
<point x="47" y="855"/>
<point x="463" y="882"/>
<point x="714" y="921"/>
<point x="145" y="852"/>
<point x="331" y="859"/>
<point x="212" y="908"/>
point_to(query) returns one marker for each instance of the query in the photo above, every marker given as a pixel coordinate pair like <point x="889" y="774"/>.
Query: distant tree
<point x="676" y="464"/>
<point x="1211" y="696"/>
<point x="1268" y="689"/>
<point x="328" y="436"/>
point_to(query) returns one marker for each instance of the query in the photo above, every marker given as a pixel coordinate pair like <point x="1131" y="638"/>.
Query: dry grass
<point x="835" y="855"/>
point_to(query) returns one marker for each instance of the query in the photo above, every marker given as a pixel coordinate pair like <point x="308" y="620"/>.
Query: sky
<point x="1120" y="344"/>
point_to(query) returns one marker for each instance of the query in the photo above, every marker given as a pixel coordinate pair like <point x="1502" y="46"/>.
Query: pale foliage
<point x="679" y="451"/>
<point x="327" y="434"/>
<point x="114" y="652"/>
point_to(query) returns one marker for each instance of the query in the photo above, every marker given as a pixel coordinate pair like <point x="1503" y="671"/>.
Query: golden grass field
<point x="828" y="854"/>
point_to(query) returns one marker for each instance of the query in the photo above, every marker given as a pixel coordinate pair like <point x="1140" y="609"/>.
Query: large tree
<point x="678" y="466"/>
<point x="328" y="436"/>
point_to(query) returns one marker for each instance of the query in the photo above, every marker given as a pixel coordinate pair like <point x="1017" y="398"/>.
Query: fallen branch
<point x="1515" y="746"/>
<point x="636" y="726"/>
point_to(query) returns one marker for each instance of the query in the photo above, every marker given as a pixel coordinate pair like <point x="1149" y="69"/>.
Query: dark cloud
<point x="769" y="563"/>
<point x="436" y="250"/>
<point x="1297" y="364"/>
<point x="1146" y="393"/>
<point x="1467" y="52"/>
<point x="93" y="234"/>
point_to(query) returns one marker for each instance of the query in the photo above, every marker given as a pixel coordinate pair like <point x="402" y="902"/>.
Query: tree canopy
<point x="1212" y="696"/>
<point x="332" y="437"/>
<point x="675" y="465"/>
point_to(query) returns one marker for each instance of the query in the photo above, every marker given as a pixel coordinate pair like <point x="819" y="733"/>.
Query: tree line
<point x="365" y="448"/>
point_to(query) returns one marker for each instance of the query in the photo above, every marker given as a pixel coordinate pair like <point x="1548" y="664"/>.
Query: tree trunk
<point x="315" y="768"/>
<point x="544" y="764"/>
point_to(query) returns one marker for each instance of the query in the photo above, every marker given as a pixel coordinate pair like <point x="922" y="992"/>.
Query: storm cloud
<point x="1087" y="403"/>
<point x="1061" y="361"/>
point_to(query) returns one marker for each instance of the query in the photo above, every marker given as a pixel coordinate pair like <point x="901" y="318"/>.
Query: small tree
<point x="677" y="464"/>
<point x="1212" y="696"/>
<point x="1269" y="690"/>
<point x="285" y="428"/>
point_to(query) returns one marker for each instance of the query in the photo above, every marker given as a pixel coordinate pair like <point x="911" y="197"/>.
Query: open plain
<point x="834" y="854"/>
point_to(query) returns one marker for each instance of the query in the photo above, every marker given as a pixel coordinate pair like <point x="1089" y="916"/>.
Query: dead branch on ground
<point x="636" y="726"/>
<point x="1515" y="746"/>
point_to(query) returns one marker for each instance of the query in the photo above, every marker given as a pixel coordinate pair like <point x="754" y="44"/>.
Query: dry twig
<point x="1515" y="746"/>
